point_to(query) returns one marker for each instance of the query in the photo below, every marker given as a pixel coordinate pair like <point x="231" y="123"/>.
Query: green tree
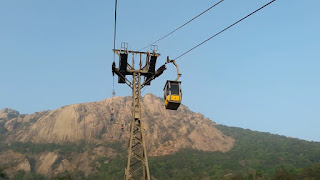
<point x="258" y="174"/>
<point x="282" y="174"/>
<point x="19" y="175"/>
<point x="3" y="174"/>
<point x="250" y="177"/>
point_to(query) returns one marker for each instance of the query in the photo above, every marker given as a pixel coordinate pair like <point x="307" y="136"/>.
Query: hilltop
<point x="80" y="142"/>
<point x="81" y="124"/>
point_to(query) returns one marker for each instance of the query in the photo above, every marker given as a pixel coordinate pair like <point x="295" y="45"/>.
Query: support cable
<point x="114" y="44"/>
<point x="115" y="29"/>
<point x="183" y="25"/>
<point x="114" y="59"/>
<point x="224" y="29"/>
<point x="143" y="86"/>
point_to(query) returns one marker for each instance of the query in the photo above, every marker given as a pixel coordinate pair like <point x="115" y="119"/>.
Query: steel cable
<point x="224" y="29"/>
<point x="115" y="28"/>
<point x="183" y="24"/>
<point x="114" y="46"/>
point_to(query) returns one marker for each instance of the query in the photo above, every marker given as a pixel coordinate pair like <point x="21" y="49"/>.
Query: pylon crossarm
<point x="130" y="66"/>
<point x="116" y="71"/>
<point x="117" y="51"/>
<point x="158" y="72"/>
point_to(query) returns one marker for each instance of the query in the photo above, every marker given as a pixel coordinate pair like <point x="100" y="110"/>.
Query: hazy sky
<point x="262" y="74"/>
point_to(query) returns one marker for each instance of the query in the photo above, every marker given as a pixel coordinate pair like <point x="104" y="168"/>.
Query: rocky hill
<point x="166" y="132"/>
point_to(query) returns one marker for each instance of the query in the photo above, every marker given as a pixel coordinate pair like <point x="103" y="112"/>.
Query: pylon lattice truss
<point x="137" y="161"/>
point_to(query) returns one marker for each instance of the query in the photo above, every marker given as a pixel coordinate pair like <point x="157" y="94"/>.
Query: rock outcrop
<point x="166" y="131"/>
<point x="46" y="132"/>
<point x="12" y="162"/>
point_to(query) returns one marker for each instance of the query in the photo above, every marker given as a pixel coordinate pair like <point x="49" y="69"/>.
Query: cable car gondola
<point x="172" y="95"/>
<point x="112" y="114"/>
<point x="122" y="128"/>
<point x="172" y="90"/>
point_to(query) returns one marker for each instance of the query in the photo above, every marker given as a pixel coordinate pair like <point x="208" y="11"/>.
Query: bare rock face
<point x="65" y="165"/>
<point x="45" y="162"/>
<point x="169" y="131"/>
<point x="52" y="164"/>
<point x="11" y="119"/>
<point x="82" y="161"/>
<point x="7" y="113"/>
<point x="13" y="162"/>
<point x="166" y="131"/>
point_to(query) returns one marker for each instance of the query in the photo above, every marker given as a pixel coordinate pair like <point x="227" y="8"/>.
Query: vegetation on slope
<point x="255" y="155"/>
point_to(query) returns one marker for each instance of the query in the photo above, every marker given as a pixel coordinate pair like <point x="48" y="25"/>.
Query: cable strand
<point x="114" y="46"/>
<point x="183" y="25"/>
<point x="224" y="29"/>
<point x="115" y="28"/>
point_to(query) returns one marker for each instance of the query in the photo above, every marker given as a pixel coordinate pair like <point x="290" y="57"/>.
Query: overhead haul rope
<point x="114" y="41"/>
<point x="224" y="29"/>
<point x="218" y="33"/>
<point x="183" y="25"/>
<point x="216" y="4"/>
<point x="114" y="58"/>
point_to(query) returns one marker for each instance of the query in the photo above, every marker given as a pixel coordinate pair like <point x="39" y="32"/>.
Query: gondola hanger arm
<point x="174" y="62"/>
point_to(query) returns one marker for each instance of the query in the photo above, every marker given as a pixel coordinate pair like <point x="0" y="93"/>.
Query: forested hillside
<point x="256" y="155"/>
<point x="80" y="142"/>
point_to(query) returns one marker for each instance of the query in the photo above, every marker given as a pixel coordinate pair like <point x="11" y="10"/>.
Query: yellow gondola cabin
<point x="172" y="95"/>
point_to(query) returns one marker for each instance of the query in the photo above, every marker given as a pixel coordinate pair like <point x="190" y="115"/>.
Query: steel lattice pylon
<point x="137" y="161"/>
<point x="137" y="167"/>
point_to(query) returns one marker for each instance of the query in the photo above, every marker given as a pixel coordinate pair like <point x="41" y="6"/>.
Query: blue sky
<point x="262" y="74"/>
